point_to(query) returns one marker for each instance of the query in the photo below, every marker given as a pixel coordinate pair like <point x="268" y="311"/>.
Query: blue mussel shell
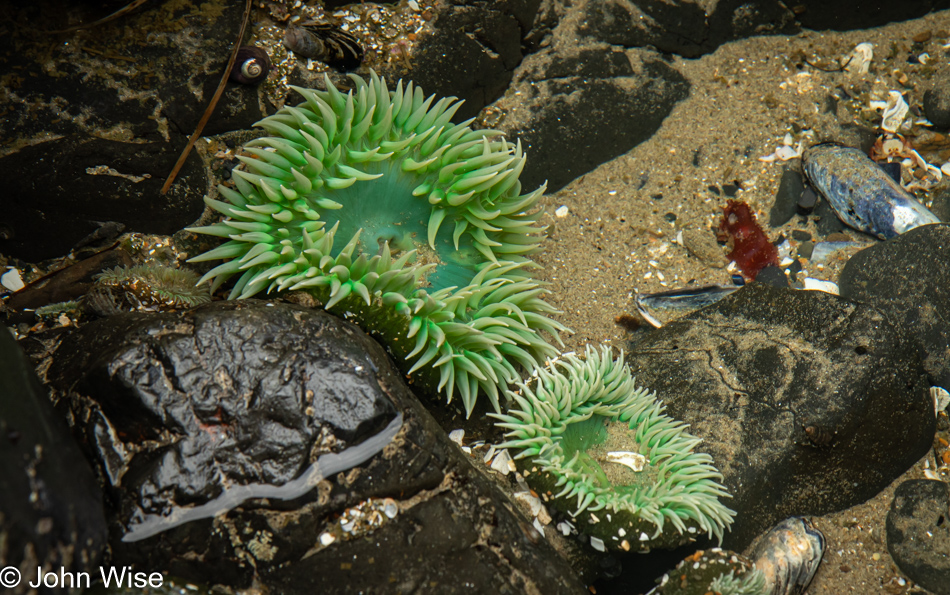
<point x="861" y="193"/>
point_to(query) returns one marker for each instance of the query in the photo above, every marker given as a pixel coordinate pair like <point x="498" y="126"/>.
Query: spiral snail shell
<point x="251" y="66"/>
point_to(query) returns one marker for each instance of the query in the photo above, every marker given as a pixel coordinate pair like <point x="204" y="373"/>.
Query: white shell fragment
<point x="565" y="528"/>
<point x="326" y="539"/>
<point x="634" y="460"/>
<point x="488" y="455"/>
<point x="941" y="398"/>
<point x="12" y="280"/>
<point x="502" y="462"/>
<point x="819" y="285"/>
<point x="561" y="211"/>
<point x="457" y="436"/>
<point x="894" y="112"/>
<point x="533" y="502"/>
<point x="859" y="60"/>
<point x="784" y="152"/>
<point x="597" y="544"/>
<point x="932" y="170"/>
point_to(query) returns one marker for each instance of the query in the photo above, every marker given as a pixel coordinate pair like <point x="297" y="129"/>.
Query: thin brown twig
<point x="214" y="100"/>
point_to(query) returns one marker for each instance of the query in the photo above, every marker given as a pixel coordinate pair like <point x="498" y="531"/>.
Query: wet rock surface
<point x="51" y="512"/>
<point x="786" y="199"/>
<point x="57" y="202"/>
<point x="807" y="403"/>
<point x="844" y="15"/>
<point x="918" y="533"/>
<point x="905" y="279"/>
<point x="98" y="117"/>
<point x="574" y="108"/>
<point x="689" y="28"/>
<point x="937" y="104"/>
<point x="224" y="410"/>
<point x="472" y="50"/>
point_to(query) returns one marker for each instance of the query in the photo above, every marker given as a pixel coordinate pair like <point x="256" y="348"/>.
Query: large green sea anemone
<point x="603" y="451"/>
<point x="393" y="216"/>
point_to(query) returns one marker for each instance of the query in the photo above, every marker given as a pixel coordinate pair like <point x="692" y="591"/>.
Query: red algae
<point x="751" y="249"/>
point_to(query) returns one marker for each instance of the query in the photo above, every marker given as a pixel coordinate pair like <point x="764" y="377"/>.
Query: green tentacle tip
<point x="389" y="213"/>
<point x="603" y="451"/>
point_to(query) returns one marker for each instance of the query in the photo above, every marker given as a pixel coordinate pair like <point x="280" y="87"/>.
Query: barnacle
<point x="393" y="216"/>
<point x="601" y="446"/>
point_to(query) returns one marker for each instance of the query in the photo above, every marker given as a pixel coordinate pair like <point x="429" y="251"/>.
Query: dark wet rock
<point x="97" y="118"/>
<point x="906" y="279"/>
<point x="574" y="108"/>
<point x="471" y="51"/>
<point x="56" y="202"/>
<point x="826" y="221"/>
<point x="807" y="403"/>
<point x="807" y="199"/>
<point x="847" y="15"/>
<point x="918" y="533"/>
<point x="805" y="249"/>
<point x="940" y="204"/>
<point x="181" y="412"/>
<point x="937" y="105"/>
<point x="789" y="192"/>
<point x="687" y="28"/>
<point x="773" y="276"/>
<point x="51" y="512"/>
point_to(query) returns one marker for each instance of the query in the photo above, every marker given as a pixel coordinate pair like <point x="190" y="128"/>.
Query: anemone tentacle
<point x="437" y="233"/>
<point x="563" y="421"/>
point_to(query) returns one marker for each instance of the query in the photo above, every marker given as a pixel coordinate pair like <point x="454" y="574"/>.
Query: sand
<point x="615" y="239"/>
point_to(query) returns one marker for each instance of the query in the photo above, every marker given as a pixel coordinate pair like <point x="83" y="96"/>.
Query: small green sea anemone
<point x="603" y="451"/>
<point x="392" y="216"/>
<point x="145" y="287"/>
<point x="713" y="571"/>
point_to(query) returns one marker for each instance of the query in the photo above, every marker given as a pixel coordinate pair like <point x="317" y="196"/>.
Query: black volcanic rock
<point x="807" y="403"/>
<point x="253" y="441"/>
<point x="575" y="109"/>
<point x="905" y="278"/>
<point x="96" y="118"/>
<point x="51" y="512"/>
<point x="918" y="533"/>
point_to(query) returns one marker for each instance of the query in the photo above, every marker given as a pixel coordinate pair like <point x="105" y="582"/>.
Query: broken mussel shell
<point x="861" y="193"/>
<point x="324" y="42"/>
<point x="660" y="308"/>
<point x="251" y="66"/>
<point x="789" y="556"/>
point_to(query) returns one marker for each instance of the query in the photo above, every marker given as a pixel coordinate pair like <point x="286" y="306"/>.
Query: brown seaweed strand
<point x="214" y="100"/>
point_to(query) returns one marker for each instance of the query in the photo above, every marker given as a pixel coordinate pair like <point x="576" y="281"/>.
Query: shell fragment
<point x="634" y="460"/>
